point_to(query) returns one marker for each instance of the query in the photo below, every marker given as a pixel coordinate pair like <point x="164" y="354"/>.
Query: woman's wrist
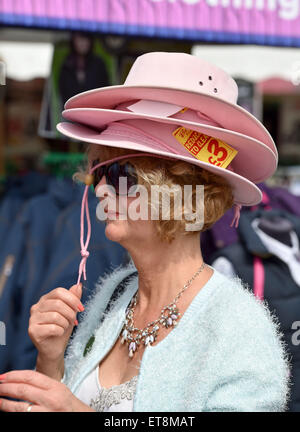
<point x="52" y="368"/>
<point x="82" y="407"/>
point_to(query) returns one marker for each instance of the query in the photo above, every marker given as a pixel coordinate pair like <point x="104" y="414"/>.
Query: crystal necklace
<point x="134" y="337"/>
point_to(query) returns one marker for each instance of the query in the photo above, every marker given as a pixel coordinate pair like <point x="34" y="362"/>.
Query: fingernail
<point x="80" y="308"/>
<point x="2" y="377"/>
<point x="76" y="322"/>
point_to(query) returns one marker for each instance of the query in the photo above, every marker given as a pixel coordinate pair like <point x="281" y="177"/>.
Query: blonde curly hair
<point x="218" y="195"/>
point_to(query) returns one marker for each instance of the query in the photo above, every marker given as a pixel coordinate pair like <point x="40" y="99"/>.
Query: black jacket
<point x="281" y="292"/>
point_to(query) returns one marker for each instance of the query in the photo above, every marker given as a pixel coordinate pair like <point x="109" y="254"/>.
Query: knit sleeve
<point x="254" y="364"/>
<point x="90" y="320"/>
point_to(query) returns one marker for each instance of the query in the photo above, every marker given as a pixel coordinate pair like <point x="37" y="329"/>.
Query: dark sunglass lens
<point x="113" y="173"/>
<point x="130" y="173"/>
<point x="116" y="170"/>
<point x="127" y="170"/>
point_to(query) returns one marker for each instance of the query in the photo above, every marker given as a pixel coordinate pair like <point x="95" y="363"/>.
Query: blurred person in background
<point x="81" y="70"/>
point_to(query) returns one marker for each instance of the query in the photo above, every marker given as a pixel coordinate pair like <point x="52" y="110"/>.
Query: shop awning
<point x="263" y="22"/>
<point x="254" y="63"/>
<point x="277" y="86"/>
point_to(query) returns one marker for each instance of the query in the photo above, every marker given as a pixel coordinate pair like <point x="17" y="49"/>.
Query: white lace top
<point x="114" y="399"/>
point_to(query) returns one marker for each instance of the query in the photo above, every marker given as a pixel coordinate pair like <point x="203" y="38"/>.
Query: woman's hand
<point x="52" y="320"/>
<point x="41" y="392"/>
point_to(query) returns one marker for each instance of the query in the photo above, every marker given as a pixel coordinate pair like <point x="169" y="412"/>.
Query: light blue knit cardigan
<point x="226" y="353"/>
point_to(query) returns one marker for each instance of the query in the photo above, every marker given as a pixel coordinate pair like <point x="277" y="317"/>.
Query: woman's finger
<point x="57" y="305"/>
<point x="67" y="297"/>
<point x="46" y="331"/>
<point x="30" y="377"/>
<point x="52" y="318"/>
<point x="24" y="392"/>
<point x="12" y="406"/>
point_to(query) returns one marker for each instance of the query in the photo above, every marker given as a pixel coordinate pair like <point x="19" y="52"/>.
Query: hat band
<point x="207" y="120"/>
<point x="120" y="130"/>
<point x="164" y="109"/>
<point x="192" y="143"/>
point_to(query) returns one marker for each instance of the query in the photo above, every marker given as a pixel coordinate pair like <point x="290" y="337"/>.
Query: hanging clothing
<point x="39" y="224"/>
<point x="24" y="260"/>
<point x="221" y="234"/>
<point x="288" y="254"/>
<point x="281" y="289"/>
<point x="18" y="190"/>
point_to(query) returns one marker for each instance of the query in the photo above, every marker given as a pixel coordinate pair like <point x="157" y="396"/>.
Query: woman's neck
<point x="163" y="271"/>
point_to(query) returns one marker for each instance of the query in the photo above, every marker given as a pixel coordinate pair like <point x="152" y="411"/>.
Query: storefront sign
<point x="267" y="22"/>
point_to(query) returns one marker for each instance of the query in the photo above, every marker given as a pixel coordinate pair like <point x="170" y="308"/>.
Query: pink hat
<point x="252" y="163"/>
<point x="181" y="79"/>
<point x="157" y="91"/>
<point x="180" y="106"/>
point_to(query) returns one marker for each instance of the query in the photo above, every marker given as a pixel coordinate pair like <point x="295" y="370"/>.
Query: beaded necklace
<point x="169" y="316"/>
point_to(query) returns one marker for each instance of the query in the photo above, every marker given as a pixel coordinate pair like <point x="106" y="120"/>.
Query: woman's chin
<point x="114" y="230"/>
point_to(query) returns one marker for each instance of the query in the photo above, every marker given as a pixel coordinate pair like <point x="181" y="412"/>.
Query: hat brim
<point x="254" y="160"/>
<point x="245" y="192"/>
<point x="230" y="116"/>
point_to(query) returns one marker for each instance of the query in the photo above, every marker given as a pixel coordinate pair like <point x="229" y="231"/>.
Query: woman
<point x="167" y="332"/>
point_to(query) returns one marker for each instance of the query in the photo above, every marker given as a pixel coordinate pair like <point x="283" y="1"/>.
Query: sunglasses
<point x="112" y="174"/>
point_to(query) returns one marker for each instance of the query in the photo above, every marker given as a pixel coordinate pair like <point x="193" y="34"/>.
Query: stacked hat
<point x="180" y="106"/>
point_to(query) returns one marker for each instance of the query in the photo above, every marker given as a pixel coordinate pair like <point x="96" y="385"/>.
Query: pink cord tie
<point x="84" y="253"/>
<point x="237" y="214"/>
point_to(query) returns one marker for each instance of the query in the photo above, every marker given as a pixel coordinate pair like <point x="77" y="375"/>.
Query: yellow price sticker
<point x="205" y="148"/>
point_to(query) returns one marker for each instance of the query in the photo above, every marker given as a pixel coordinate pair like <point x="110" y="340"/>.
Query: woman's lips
<point x="114" y="214"/>
<point x="110" y="213"/>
